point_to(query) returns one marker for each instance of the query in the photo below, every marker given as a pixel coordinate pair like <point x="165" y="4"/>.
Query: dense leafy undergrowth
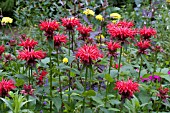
<point x="115" y="61"/>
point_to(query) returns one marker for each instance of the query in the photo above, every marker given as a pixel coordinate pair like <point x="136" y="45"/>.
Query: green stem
<point x="29" y="76"/>
<point x="85" y="89"/>
<point x="69" y="42"/>
<point x="10" y="30"/>
<point x="141" y="63"/>
<point x="107" y="85"/>
<point x="111" y="58"/>
<point x="50" y="83"/>
<point x="155" y="62"/>
<point x="61" y="96"/>
<point x="119" y="62"/>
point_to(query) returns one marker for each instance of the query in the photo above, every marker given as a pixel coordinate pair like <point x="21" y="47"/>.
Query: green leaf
<point x="57" y="103"/>
<point x="72" y="74"/>
<point x="8" y="103"/>
<point x="108" y="78"/>
<point x="97" y="99"/>
<point x="113" y="109"/>
<point x="89" y="93"/>
<point x="166" y="77"/>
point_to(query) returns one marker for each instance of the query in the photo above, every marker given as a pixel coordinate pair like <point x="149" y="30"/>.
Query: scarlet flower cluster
<point x="147" y="33"/>
<point x="143" y="45"/>
<point x="40" y="76"/>
<point x="59" y="39"/>
<point x="6" y="86"/>
<point x="125" y="24"/>
<point x="121" y="31"/>
<point x="88" y="53"/>
<point x="30" y="56"/>
<point x="163" y="93"/>
<point x="28" y="43"/>
<point x="28" y="90"/>
<point x="2" y="49"/>
<point x="112" y="47"/>
<point x="84" y="31"/>
<point x="126" y="88"/>
<point x="70" y="23"/>
<point x="49" y="27"/>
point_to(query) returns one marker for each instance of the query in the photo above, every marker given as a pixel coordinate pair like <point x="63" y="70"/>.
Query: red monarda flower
<point x="116" y="66"/>
<point x="112" y="47"/>
<point x="28" y="43"/>
<point x="84" y="31"/>
<point x="163" y="93"/>
<point x="58" y="39"/>
<point x="143" y="45"/>
<point x="146" y="33"/>
<point x="2" y="49"/>
<point x="28" y="90"/>
<point x="126" y="88"/>
<point x="88" y="53"/>
<point x="40" y="76"/>
<point x="6" y="86"/>
<point x="125" y="24"/>
<point x="70" y="23"/>
<point x="30" y="56"/>
<point x="49" y="27"/>
<point x="120" y="33"/>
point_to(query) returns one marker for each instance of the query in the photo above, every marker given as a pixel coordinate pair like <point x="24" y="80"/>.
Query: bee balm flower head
<point x="70" y="23"/>
<point x="126" y="88"/>
<point x="49" y="27"/>
<point x="88" y="53"/>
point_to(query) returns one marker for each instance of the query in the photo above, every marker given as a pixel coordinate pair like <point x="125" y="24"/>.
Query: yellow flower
<point x="168" y="1"/>
<point x="65" y="60"/>
<point x="115" y="15"/>
<point x="100" y="36"/>
<point x="88" y="12"/>
<point x="6" y="20"/>
<point x="114" y="21"/>
<point x="99" y="17"/>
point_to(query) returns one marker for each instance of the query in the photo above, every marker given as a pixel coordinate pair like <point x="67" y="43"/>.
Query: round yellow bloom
<point x="7" y="20"/>
<point x="100" y="36"/>
<point x="88" y="12"/>
<point x="115" y="15"/>
<point x="114" y="21"/>
<point x="99" y="17"/>
<point x="65" y="60"/>
<point x="168" y="1"/>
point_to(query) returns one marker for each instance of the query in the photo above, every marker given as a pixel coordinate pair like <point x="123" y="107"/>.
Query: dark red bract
<point x="40" y="76"/>
<point x="147" y="33"/>
<point x="126" y="88"/>
<point x="27" y="90"/>
<point x="6" y="86"/>
<point x="70" y="23"/>
<point x="49" y="27"/>
<point x="59" y="39"/>
<point x="88" y="53"/>
<point x="163" y="93"/>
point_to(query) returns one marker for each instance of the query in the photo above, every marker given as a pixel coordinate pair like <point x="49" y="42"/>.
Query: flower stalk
<point x="141" y="63"/>
<point x="85" y="85"/>
<point x="119" y="62"/>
